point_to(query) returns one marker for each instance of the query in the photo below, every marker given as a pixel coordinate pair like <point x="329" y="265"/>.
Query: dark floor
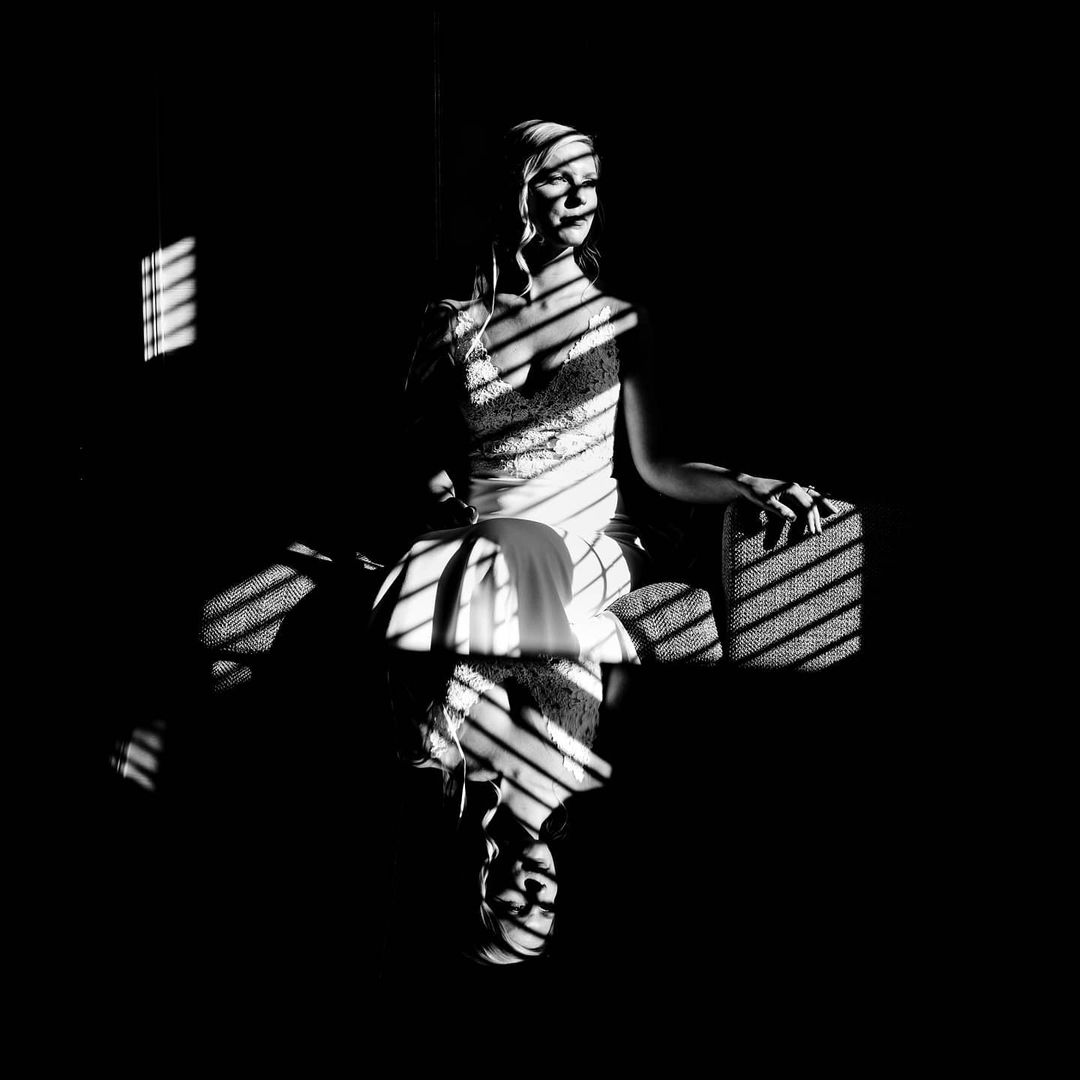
<point x="758" y="829"/>
<point x="766" y="839"/>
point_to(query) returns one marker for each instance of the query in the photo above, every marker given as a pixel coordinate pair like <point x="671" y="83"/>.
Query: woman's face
<point x="562" y="196"/>
<point x="521" y="891"/>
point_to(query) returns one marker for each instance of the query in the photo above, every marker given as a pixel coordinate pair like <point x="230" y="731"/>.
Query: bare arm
<point x="675" y="476"/>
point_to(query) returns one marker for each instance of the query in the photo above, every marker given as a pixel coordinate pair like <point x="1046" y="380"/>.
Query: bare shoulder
<point x="448" y="309"/>
<point x="630" y="321"/>
<point x="506" y="307"/>
<point x="439" y="321"/>
<point x="626" y="314"/>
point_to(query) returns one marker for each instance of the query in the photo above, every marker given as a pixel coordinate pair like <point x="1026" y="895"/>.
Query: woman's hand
<point x="446" y="510"/>
<point x="451" y="513"/>
<point x="776" y="497"/>
<point x="670" y="473"/>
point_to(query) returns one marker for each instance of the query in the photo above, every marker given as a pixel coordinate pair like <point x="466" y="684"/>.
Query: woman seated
<point x="526" y="561"/>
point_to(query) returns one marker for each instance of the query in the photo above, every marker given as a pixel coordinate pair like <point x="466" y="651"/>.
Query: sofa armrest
<point x="670" y="622"/>
<point x="792" y="600"/>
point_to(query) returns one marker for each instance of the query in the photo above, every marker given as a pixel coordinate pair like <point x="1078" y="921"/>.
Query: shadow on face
<point x="563" y="195"/>
<point x="521" y="893"/>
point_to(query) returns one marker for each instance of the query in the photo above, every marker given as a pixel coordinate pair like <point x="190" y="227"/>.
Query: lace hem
<point x="567" y="693"/>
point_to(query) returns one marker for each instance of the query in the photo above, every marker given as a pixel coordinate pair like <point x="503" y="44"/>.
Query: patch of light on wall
<point x="137" y="757"/>
<point x="168" y="288"/>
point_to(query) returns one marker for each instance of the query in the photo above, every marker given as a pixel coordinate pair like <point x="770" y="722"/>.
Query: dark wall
<point x="301" y="163"/>
<point x="778" y="198"/>
<point x="308" y="188"/>
<point x="783" y="198"/>
<point x="786" y="200"/>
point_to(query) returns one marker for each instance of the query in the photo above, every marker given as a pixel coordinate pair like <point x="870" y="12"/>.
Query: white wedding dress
<point x="549" y="553"/>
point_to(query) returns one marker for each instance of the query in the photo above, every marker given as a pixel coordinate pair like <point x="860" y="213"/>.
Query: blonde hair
<point x="527" y="148"/>
<point x="486" y="940"/>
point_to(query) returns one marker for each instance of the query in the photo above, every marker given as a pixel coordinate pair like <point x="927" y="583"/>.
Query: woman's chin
<point x="573" y="238"/>
<point x="538" y="853"/>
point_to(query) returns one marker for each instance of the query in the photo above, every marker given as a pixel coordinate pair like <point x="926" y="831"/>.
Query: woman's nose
<point x="575" y="197"/>
<point x="535" y="886"/>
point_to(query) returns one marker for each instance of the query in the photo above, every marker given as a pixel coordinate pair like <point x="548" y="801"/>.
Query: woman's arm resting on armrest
<point x="671" y="474"/>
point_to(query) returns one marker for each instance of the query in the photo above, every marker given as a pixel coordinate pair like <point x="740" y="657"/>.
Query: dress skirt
<point x="509" y="587"/>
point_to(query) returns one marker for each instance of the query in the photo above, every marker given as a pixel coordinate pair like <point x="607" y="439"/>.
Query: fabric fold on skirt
<point x="508" y="587"/>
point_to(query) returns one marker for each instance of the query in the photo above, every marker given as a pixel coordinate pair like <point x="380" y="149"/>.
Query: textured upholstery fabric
<point x="670" y="622"/>
<point x="241" y="621"/>
<point x="239" y="624"/>
<point x="245" y="617"/>
<point x="792" y="601"/>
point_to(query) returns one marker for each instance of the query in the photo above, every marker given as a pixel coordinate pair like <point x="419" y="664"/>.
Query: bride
<point x="526" y="559"/>
<point x="536" y="364"/>
<point x="531" y="546"/>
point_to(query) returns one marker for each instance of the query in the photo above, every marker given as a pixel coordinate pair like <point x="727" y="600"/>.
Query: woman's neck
<point x="531" y="808"/>
<point x="551" y="271"/>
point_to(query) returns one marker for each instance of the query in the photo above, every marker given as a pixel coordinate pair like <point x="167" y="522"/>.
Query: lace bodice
<point x="545" y="457"/>
<point x="564" y="430"/>
<point x="567" y="692"/>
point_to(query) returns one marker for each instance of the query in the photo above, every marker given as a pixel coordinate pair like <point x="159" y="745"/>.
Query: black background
<point x="785" y="199"/>
<point x="788" y="200"/>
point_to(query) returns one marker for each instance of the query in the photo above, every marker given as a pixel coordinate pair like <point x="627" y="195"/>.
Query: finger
<point x="775" y="506"/>
<point x="820" y="500"/>
<point x="464" y="512"/>
<point x="801" y="496"/>
<point x="815" y="521"/>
